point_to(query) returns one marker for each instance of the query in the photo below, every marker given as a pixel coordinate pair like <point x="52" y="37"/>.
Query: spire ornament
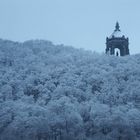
<point x="117" y="27"/>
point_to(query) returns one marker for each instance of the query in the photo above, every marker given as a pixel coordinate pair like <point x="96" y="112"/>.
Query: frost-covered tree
<point x="56" y="92"/>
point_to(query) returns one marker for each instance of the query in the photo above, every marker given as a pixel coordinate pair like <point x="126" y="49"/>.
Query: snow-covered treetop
<point x="56" y="92"/>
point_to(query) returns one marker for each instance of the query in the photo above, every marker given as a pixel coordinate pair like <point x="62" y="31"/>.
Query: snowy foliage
<point x="53" y="92"/>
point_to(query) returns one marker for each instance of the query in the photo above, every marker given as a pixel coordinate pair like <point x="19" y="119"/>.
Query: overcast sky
<point x="80" y="23"/>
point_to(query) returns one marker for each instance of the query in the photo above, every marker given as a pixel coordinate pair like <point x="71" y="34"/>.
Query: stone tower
<point x="117" y="43"/>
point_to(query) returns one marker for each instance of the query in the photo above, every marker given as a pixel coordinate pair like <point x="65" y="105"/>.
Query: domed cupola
<point x="117" y="41"/>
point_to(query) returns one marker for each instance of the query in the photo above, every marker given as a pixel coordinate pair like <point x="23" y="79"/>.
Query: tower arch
<point x="117" y="41"/>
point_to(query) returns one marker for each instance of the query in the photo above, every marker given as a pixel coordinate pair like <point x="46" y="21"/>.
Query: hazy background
<point x="80" y="23"/>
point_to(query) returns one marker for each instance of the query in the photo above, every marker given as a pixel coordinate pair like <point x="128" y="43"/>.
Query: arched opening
<point x="117" y="52"/>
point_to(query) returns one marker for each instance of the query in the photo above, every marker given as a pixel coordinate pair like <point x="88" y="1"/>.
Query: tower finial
<point x="117" y="27"/>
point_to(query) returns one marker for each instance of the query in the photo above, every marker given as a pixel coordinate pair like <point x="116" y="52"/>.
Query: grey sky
<point x="80" y="23"/>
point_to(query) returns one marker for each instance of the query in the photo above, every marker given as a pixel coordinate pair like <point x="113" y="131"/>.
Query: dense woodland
<point x="57" y="92"/>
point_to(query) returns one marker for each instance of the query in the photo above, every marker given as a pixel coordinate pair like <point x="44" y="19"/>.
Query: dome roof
<point x="117" y="32"/>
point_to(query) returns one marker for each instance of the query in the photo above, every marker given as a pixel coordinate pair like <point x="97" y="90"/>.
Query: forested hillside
<point x="56" y="92"/>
